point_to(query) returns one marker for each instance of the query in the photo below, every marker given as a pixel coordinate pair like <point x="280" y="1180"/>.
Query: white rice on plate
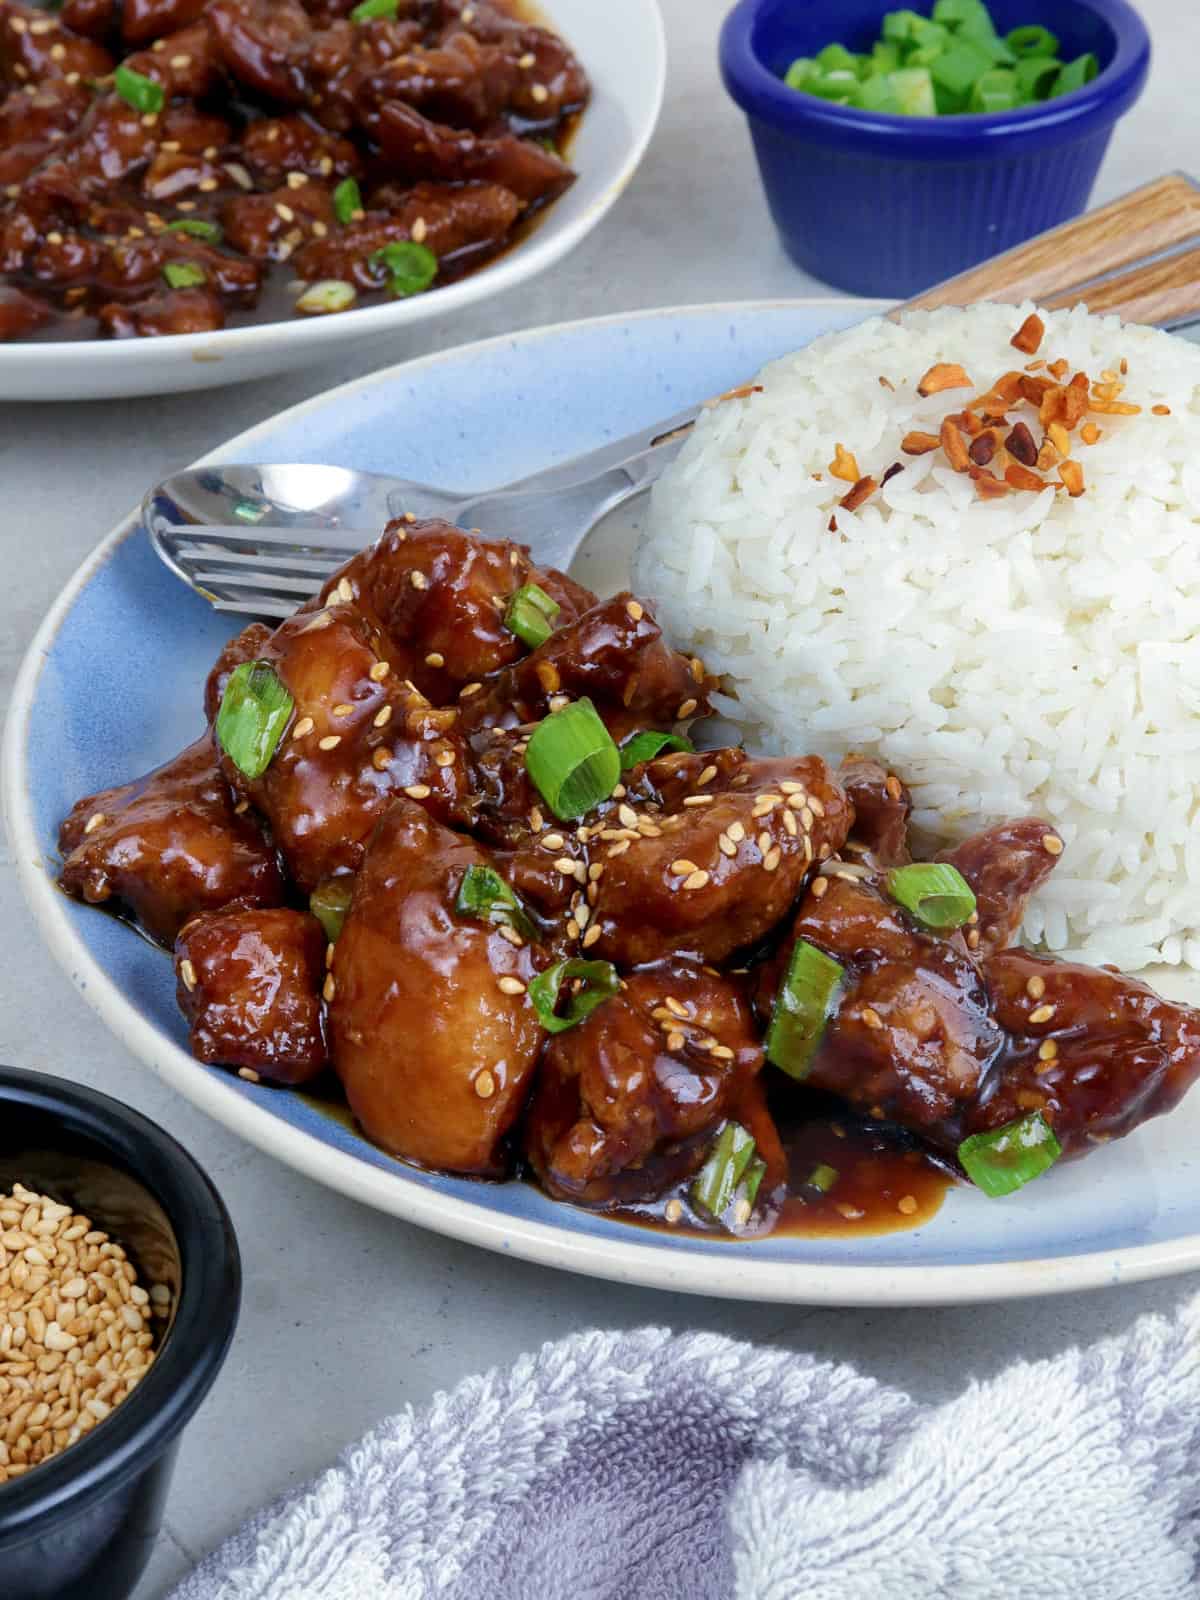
<point x="1033" y="653"/>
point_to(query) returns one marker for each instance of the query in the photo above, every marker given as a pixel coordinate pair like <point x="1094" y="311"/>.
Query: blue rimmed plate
<point x="112" y="685"/>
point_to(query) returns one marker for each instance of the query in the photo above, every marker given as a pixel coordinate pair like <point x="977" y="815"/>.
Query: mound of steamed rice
<point x="1029" y="654"/>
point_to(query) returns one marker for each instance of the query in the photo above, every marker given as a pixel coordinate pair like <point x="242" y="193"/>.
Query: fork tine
<point x="256" y="605"/>
<point x="341" y="543"/>
<point x="274" y="583"/>
<point x="251" y="561"/>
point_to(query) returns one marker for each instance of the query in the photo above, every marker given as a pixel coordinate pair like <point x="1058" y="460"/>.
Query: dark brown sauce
<point x="885" y="1183"/>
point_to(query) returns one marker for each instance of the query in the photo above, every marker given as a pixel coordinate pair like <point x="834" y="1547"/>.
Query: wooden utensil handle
<point x="1163" y="291"/>
<point x="1139" y="224"/>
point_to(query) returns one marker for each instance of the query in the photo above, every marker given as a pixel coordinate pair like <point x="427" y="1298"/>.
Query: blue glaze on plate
<point x="114" y="686"/>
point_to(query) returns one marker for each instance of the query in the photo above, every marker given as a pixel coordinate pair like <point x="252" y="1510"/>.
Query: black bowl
<point x="82" y="1525"/>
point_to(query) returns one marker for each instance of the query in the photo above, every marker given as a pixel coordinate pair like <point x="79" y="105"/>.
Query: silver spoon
<point x="264" y="539"/>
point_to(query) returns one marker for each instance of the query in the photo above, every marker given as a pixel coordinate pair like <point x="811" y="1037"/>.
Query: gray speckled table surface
<point x="349" y="1314"/>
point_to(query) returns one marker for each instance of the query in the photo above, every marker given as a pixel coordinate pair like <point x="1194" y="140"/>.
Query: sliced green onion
<point x="197" y="228"/>
<point x="1074" y="75"/>
<point x="645" y="746"/>
<point x="412" y="267"/>
<point x="956" y="70"/>
<point x="530" y="615"/>
<point x="877" y="94"/>
<point x="369" y="10"/>
<point x="841" y="85"/>
<point x="483" y="893"/>
<point x="327" y="296"/>
<point x="347" y="199"/>
<point x="800" y="71"/>
<point x="601" y="983"/>
<point x="255" y="709"/>
<point x="716" y="1183"/>
<point x="885" y="57"/>
<point x="138" y="91"/>
<point x="913" y="89"/>
<point x="994" y="90"/>
<point x="329" y="903"/>
<point x="836" y="58"/>
<point x="1035" y="78"/>
<point x="897" y="25"/>
<point x="755" y="1173"/>
<point x="822" y="1177"/>
<point x="183" y="274"/>
<point x="807" y="998"/>
<point x="1005" y="1160"/>
<point x="934" y="894"/>
<point x="953" y="13"/>
<point x="1031" y="41"/>
<point x="572" y="760"/>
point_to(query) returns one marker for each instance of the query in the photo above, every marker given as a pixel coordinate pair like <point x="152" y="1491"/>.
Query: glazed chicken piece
<point x="271" y="226"/>
<point x="628" y="1100"/>
<point x="35" y="45"/>
<point x="1004" y="865"/>
<point x="438" y="597"/>
<point x="168" y="846"/>
<point x="263" y="44"/>
<point x="432" y="1033"/>
<point x="359" y="736"/>
<point x="912" y="1038"/>
<point x="1095" y="1052"/>
<point x="186" y="63"/>
<point x="274" y="146"/>
<point x="882" y="806"/>
<point x="20" y="313"/>
<point x="731" y="842"/>
<point x="459" y="81"/>
<point x="453" y="223"/>
<point x="174" y="311"/>
<point x="142" y="20"/>
<point x="34" y="120"/>
<point x="415" y="147"/>
<point x="249" y="983"/>
<point x="343" y="57"/>
<point x="616" y="656"/>
<point x="549" y="85"/>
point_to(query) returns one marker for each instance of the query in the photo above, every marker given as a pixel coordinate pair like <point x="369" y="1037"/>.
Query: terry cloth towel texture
<point x="654" y="1466"/>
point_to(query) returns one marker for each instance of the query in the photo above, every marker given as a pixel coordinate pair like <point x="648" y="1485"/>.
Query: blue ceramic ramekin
<point x="887" y="205"/>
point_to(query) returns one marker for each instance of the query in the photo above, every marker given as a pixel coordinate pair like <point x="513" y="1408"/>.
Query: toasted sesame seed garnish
<point x="675" y="1041"/>
<point x="303" y="727"/>
<point x="736" y="832"/>
<point x="618" y="849"/>
<point x="468" y="690"/>
<point x="418" y="230"/>
<point x="379" y="672"/>
<point x="851" y="1213"/>
<point x="815" y="806"/>
<point x="649" y="830"/>
<point x="722" y="1052"/>
<point x="772" y="858"/>
<point x="907" y="1204"/>
<point x="697" y="880"/>
<point x="820" y="888"/>
<point x="511" y="934"/>
<point x="382" y="717"/>
<point x="790" y="825"/>
<point x="330" y="987"/>
<point x="485" y="1084"/>
<point x="510" y="986"/>
<point x="765" y="804"/>
<point x="321" y="620"/>
<point x="619" y="792"/>
<point x="552" y="841"/>
<point x="342" y="709"/>
<point x="673" y="1210"/>
<point x="435" y="658"/>
<point x="1052" y="844"/>
<point x="249" y="1074"/>
<point x="790" y="788"/>
<point x="242" y="805"/>
<point x="764" y="841"/>
<point x="973" y="919"/>
<point x="527" y="60"/>
<point x="628" y="816"/>
<point x="1042" y="1014"/>
<point x="871" y="1017"/>
<point x="54" y="237"/>
<point x="381" y="758"/>
<point x="686" y="710"/>
<point x="674" y="1007"/>
<point x="418" y="791"/>
<point x="706" y="776"/>
<point x="592" y="934"/>
<point x="974" y="939"/>
<point x="188" y="973"/>
<point x="1035" y="988"/>
<point x="683" y="867"/>
<point x="596" y="871"/>
<point x="96" y="820"/>
<point x="572" y="929"/>
<point x="636" y="612"/>
<point x="1047" y="1050"/>
<point x="582" y="915"/>
<point x="540" y="93"/>
<point x="697" y="799"/>
<point x="329" y="742"/>
<point x="179" y="62"/>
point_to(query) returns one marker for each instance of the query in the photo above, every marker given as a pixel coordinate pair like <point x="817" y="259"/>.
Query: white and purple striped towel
<point x="654" y="1466"/>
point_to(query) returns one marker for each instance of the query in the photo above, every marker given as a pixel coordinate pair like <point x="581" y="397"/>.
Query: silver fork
<point x="264" y="539"/>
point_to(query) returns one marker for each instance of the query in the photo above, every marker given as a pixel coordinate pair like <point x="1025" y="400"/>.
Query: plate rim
<point x="731" y="1275"/>
<point x="546" y="247"/>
